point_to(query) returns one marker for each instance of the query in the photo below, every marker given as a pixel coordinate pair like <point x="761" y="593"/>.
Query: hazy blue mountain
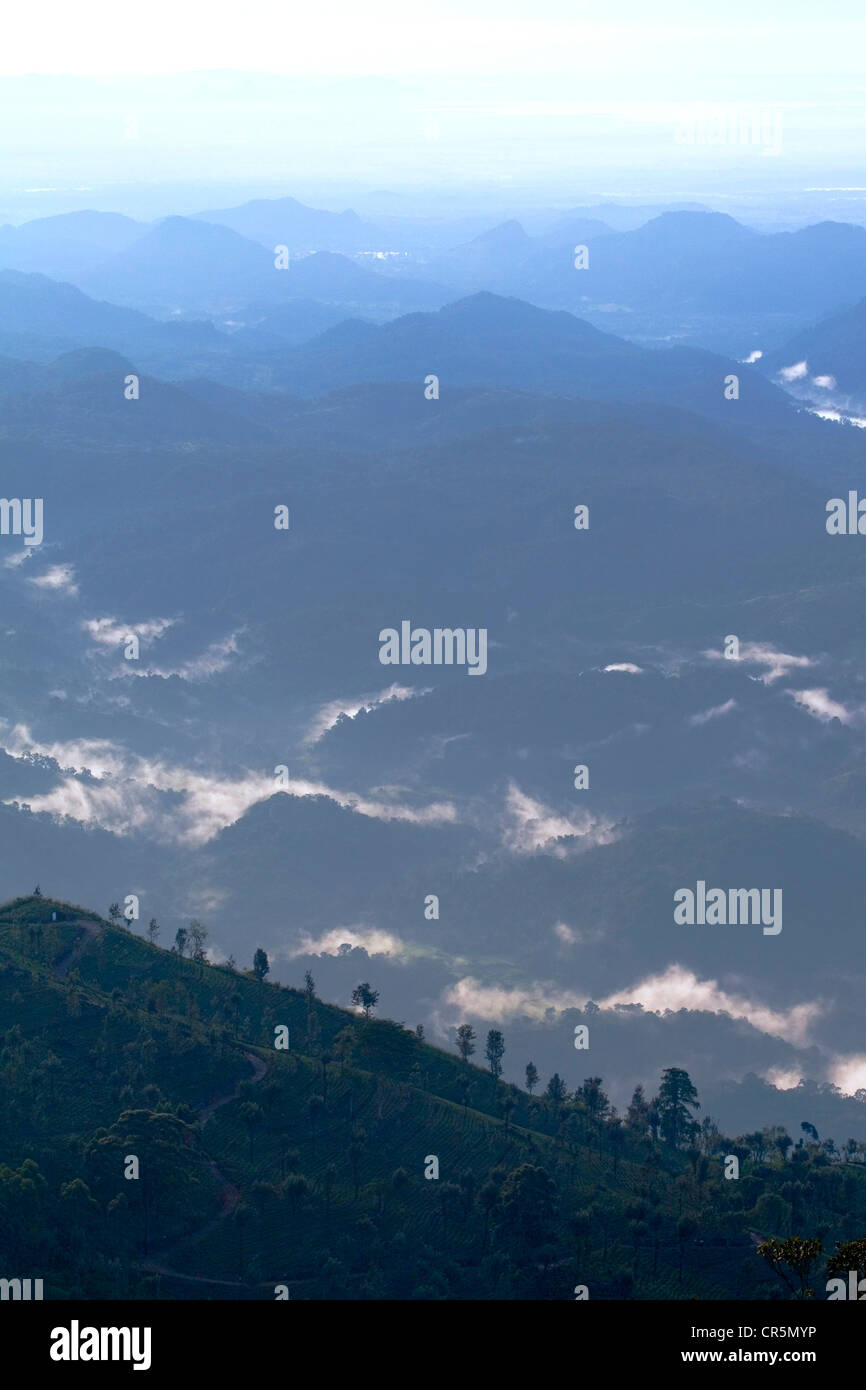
<point x="486" y="340"/>
<point x="572" y="231"/>
<point x="685" y="276"/>
<point x="286" y="222"/>
<point x="703" y="262"/>
<point x="41" y="318"/>
<point x="68" y="244"/>
<point x="185" y="266"/>
<point x="497" y="257"/>
<point x="80" y="399"/>
<point x="619" y="217"/>
<point x="181" y="265"/>
<point x="831" y="356"/>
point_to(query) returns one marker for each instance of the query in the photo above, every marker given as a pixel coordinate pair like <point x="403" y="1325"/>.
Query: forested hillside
<point x="158" y="1141"/>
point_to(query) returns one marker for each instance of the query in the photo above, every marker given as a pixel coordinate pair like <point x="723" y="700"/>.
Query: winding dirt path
<point x="229" y="1194"/>
<point x="259" y="1070"/>
<point x="90" y="931"/>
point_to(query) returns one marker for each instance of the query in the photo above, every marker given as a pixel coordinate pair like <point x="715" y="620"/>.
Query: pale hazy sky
<point x="559" y="93"/>
<point x="456" y="36"/>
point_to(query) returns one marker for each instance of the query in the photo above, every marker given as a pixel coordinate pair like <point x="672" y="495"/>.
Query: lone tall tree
<point x="677" y="1099"/>
<point x="261" y="965"/>
<point x="556" y="1091"/>
<point x="494" y="1052"/>
<point x="365" y="998"/>
<point x="197" y="936"/>
<point x="531" y="1077"/>
<point x="637" y="1115"/>
<point x="466" y="1041"/>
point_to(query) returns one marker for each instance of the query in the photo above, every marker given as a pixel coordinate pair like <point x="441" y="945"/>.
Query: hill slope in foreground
<point x="305" y="1167"/>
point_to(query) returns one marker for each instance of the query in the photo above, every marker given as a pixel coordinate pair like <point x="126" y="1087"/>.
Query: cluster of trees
<point x="494" y="1049"/>
<point x="669" y="1114"/>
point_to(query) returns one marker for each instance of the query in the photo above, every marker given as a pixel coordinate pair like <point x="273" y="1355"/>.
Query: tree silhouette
<point x="494" y="1052"/>
<point x="465" y="1041"/>
<point x="197" y="936"/>
<point x="528" y="1205"/>
<point x="850" y="1254"/>
<point x="798" y="1255"/>
<point x="556" y="1091"/>
<point x="676" y="1099"/>
<point x="531" y="1077"/>
<point x="637" y="1115"/>
<point x="365" y="998"/>
<point x="261" y="965"/>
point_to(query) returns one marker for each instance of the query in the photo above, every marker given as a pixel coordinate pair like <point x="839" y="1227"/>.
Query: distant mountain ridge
<point x="486" y="340"/>
<point x="285" y="221"/>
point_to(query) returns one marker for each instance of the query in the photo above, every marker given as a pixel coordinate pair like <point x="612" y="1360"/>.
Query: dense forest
<point x="177" y="1129"/>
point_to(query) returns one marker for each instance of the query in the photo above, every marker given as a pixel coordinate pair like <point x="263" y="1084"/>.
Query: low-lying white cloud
<point x="783" y="1078"/>
<point x="839" y="417"/>
<point x="795" y="372"/>
<point x="848" y="1073"/>
<point x="778" y="663"/>
<point x="216" y="658"/>
<point x="374" y="940"/>
<point x="715" y="712"/>
<point x="110" y="632"/>
<point x="326" y="717"/>
<point x="99" y="756"/>
<point x="628" y="668"/>
<point x="496" y="1003"/>
<point x="13" y="561"/>
<point x="819" y="704"/>
<point x="531" y="826"/>
<point x="167" y="801"/>
<point x="679" y="988"/>
<point x="59" y="579"/>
